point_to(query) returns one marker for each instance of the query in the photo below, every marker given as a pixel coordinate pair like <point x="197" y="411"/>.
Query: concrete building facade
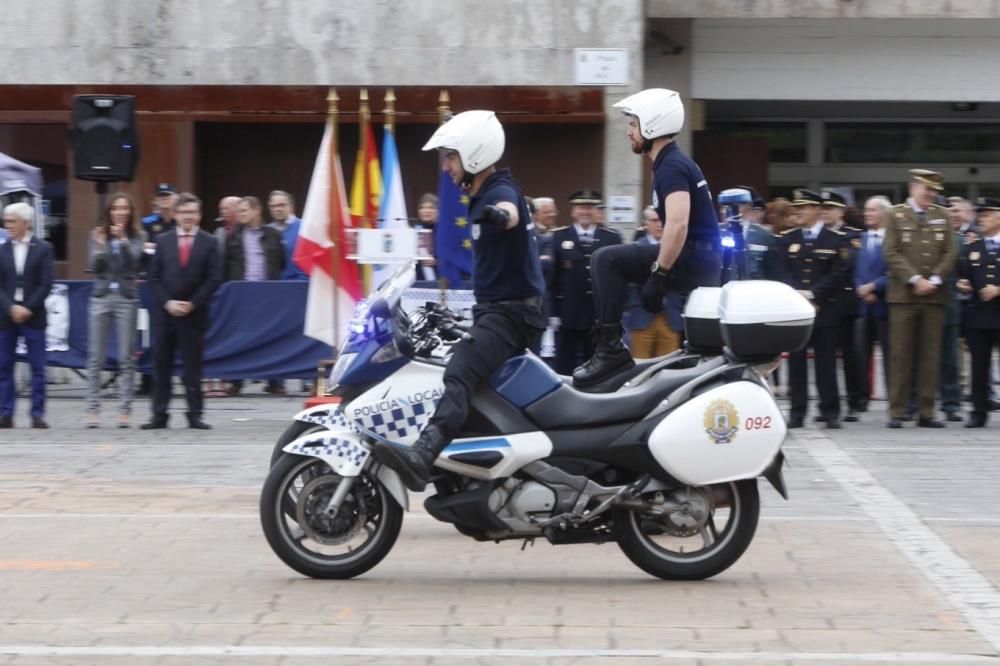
<point x="780" y="92"/>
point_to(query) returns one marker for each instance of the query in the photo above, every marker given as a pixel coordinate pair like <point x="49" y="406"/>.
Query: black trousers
<point x="855" y="385"/>
<point x="869" y="330"/>
<point x="499" y="332"/>
<point x="824" y="345"/>
<point x="614" y="267"/>
<point x="176" y="334"/>
<point x="573" y="348"/>
<point x="981" y="342"/>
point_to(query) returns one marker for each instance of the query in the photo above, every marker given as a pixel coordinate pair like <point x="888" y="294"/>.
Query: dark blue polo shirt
<point x="673" y="171"/>
<point x="507" y="265"/>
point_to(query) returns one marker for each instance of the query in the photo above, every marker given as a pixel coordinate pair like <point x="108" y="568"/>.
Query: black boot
<point x="611" y="356"/>
<point x="414" y="464"/>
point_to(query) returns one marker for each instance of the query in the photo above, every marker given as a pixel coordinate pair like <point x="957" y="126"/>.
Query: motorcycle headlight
<point x="340" y="367"/>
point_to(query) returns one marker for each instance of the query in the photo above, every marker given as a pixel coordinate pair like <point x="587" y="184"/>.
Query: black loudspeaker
<point x="105" y="140"/>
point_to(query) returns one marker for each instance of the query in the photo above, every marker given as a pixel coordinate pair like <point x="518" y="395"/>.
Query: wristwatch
<point x="656" y="268"/>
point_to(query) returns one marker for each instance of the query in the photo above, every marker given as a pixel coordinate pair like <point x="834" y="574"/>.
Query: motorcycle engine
<point x="517" y="502"/>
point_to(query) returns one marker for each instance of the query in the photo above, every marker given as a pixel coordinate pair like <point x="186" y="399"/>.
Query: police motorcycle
<point x="666" y="466"/>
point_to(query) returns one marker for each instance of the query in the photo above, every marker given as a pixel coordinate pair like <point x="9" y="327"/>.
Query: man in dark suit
<point x="813" y="259"/>
<point x="25" y="283"/>
<point x="871" y="275"/>
<point x="572" y="285"/>
<point x="184" y="274"/>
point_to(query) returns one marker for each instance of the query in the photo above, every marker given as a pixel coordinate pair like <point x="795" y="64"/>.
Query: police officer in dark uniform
<point x="813" y="259"/>
<point x="979" y="277"/>
<point x="572" y="248"/>
<point x="163" y="219"/>
<point x="507" y="282"/>
<point x="689" y="253"/>
<point x="832" y="213"/>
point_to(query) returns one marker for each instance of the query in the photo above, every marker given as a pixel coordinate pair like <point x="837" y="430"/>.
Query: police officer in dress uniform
<point x="832" y="213"/>
<point x="813" y="259"/>
<point x="507" y="283"/>
<point x="920" y="252"/>
<point x="689" y="253"/>
<point x="979" y="276"/>
<point x="572" y="286"/>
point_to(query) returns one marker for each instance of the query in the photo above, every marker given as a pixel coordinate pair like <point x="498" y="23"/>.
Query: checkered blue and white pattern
<point x="328" y="416"/>
<point x="400" y="422"/>
<point x="345" y="456"/>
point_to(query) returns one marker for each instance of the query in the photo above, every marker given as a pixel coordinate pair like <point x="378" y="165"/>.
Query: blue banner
<point x="256" y="332"/>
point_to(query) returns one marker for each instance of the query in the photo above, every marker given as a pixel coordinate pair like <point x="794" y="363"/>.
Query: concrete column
<point x="624" y="171"/>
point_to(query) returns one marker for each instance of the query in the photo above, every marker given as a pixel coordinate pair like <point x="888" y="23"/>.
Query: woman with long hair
<point x="115" y="258"/>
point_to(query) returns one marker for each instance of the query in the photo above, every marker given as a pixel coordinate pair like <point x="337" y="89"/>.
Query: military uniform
<point x="573" y="291"/>
<point x="814" y="265"/>
<point x="917" y="244"/>
<point x="979" y="263"/>
<point x="759" y="242"/>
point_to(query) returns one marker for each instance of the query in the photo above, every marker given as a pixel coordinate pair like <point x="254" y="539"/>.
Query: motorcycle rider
<point x="689" y="254"/>
<point x="507" y="282"/>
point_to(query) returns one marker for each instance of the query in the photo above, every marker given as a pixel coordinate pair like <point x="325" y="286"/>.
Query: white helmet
<point x="476" y="136"/>
<point x="660" y="111"/>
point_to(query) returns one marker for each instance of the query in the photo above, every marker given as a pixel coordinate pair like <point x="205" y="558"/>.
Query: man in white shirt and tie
<point x="25" y="283"/>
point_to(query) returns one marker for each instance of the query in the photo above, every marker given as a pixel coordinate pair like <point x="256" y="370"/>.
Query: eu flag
<point x="452" y="241"/>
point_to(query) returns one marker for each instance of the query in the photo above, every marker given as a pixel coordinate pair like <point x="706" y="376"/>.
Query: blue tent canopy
<point x="16" y="176"/>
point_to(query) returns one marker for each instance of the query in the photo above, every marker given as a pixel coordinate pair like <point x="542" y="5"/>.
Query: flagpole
<point x="332" y="115"/>
<point x="390" y="111"/>
<point x="364" y="117"/>
<point x="444" y="112"/>
<point x="390" y="126"/>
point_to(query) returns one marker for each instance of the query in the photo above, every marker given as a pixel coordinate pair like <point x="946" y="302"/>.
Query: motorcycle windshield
<point x="374" y="313"/>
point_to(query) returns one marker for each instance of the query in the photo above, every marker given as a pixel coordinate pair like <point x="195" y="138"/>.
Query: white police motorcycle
<point x="664" y="462"/>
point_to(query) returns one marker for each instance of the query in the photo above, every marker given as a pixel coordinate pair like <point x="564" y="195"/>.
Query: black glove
<point x="652" y="293"/>
<point x="492" y="215"/>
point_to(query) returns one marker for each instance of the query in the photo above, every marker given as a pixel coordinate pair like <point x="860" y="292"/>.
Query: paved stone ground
<point x="122" y="547"/>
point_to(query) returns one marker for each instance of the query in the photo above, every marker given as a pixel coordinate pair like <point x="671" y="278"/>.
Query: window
<point x="786" y="140"/>
<point x="912" y="143"/>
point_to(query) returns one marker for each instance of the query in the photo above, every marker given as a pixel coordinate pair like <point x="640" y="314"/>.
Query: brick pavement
<point x="117" y="539"/>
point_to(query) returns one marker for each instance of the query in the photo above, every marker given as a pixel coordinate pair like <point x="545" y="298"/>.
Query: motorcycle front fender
<point x="347" y="455"/>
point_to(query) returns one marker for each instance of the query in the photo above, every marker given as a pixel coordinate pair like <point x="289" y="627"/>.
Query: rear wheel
<point x="690" y="533"/>
<point x="312" y="541"/>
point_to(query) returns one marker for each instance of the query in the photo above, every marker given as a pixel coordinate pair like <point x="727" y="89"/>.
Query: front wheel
<point x="348" y="543"/>
<point x="690" y="533"/>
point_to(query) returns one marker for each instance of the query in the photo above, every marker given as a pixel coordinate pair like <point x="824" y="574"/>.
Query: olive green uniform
<point x="916" y="244"/>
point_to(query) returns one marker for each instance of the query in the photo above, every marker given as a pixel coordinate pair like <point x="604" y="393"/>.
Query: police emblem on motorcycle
<point x="721" y="421"/>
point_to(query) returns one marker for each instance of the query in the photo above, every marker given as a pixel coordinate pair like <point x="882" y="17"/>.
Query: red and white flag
<point x="321" y="242"/>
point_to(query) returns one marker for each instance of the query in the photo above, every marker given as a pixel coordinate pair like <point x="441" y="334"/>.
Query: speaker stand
<point x="102" y="195"/>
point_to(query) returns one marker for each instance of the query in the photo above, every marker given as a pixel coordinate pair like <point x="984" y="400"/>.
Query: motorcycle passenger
<point x="689" y="253"/>
<point x="507" y="282"/>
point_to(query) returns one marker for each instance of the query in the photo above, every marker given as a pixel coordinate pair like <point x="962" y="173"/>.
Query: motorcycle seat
<point x="570" y="407"/>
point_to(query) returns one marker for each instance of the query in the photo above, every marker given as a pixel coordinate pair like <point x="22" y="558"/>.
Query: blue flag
<point x="452" y="241"/>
